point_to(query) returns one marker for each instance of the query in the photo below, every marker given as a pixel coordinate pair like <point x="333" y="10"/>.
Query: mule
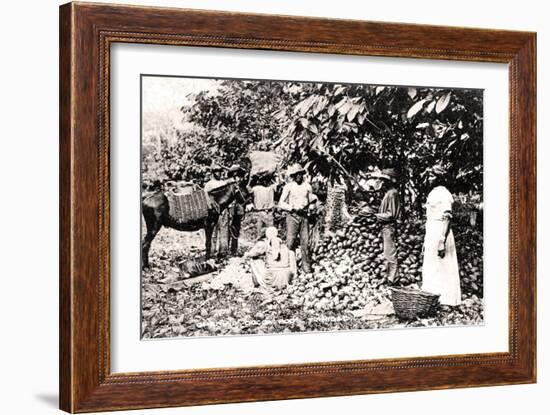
<point x="155" y="209"/>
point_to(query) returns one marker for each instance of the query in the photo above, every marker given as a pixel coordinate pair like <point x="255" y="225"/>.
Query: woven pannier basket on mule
<point x="187" y="207"/>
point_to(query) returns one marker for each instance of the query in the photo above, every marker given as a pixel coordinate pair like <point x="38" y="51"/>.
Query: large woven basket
<point x="187" y="206"/>
<point x="410" y="303"/>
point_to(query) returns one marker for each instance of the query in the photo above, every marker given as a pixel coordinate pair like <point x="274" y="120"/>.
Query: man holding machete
<point x="296" y="200"/>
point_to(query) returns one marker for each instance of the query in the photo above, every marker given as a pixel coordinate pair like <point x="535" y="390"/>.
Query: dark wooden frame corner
<point x="86" y="33"/>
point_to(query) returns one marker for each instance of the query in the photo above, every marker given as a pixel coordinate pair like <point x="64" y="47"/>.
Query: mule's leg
<point x="146" y="245"/>
<point x="153" y="224"/>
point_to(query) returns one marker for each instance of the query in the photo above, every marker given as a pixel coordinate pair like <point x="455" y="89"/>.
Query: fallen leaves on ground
<point x="345" y="291"/>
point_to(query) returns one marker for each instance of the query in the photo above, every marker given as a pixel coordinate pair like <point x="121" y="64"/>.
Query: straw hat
<point x="295" y="169"/>
<point x="388" y="174"/>
<point x="235" y="168"/>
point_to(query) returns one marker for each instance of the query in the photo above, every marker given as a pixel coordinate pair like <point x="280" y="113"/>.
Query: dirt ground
<point x="225" y="302"/>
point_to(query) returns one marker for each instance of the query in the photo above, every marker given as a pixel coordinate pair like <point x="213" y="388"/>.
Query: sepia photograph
<point x="283" y="206"/>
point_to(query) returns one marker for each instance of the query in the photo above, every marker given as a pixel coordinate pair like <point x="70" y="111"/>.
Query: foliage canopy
<point x="333" y="126"/>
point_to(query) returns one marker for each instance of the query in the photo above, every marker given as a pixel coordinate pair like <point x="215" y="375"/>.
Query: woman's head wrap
<point x="271" y="232"/>
<point x="274" y="243"/>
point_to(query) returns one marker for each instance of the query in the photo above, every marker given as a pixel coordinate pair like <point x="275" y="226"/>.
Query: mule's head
<point x="232" y="191"/>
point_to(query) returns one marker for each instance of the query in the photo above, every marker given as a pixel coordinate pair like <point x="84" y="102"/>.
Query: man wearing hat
<point x="236" y="209"/>
<point x="220" y="234"/>
<point x="388" y="213"/>
<point x="296" y="199"/>
<point x="215" y="178"/>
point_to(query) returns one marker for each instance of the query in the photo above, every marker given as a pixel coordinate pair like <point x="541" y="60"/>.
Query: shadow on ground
<point x="50" y="399"/>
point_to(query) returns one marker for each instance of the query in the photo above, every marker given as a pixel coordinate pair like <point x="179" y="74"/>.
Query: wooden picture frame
<point x="86" y="33"/>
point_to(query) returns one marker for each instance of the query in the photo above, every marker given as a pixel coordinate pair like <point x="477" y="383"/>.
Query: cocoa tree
<point x="357" y="127"/>
<point x="243" y="116"/>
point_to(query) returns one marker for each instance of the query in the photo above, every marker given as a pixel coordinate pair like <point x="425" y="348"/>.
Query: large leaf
<point x="280" y="114"/>
<point x="307" y="125"/>
<point x="317" y="143"/>
<point x="415" y="108"/>
<point x="305" y="105"/>
<point x="340" y="122"/>
<point x="339" y="90"/>
<point x="348" y="126"/>
<point x="340" y="103"/>
<point x="353" y="112"/>
<point x="304" y="122"/>
<point x="430" y="107"/>
<point x="343" y="110"/>
<point x="320" y="105"/>
<point x="313" y="128"/>
<point x="442" y="102"/>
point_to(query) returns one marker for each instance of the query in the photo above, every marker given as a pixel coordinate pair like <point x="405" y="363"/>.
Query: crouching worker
<point x="273" y="264"/>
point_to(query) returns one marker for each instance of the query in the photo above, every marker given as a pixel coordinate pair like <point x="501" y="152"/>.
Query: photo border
<point x="268" y="80"/>
<point x="86" y="33"/>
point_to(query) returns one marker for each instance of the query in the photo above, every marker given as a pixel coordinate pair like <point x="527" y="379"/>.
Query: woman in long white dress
<point x="440" y="267"/>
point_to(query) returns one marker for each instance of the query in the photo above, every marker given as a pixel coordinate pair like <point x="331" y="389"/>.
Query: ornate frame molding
<point x="86" y="33"/>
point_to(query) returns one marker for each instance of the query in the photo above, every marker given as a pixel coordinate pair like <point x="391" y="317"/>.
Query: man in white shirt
<point x="296" y="199"/>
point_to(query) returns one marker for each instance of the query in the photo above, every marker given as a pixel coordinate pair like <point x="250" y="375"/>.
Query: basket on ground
<point x="410" y="303"/>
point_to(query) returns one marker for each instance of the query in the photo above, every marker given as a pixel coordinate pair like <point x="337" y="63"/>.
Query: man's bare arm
<point x="283" y="204"/>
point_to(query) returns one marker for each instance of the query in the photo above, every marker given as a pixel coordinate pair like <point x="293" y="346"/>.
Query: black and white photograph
<point x="284" y="206"/>
<point x="275" y="207"/>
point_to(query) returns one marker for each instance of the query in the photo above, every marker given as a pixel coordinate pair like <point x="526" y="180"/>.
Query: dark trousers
<point x="234" y="233"/>
<point x="298" y="226"/>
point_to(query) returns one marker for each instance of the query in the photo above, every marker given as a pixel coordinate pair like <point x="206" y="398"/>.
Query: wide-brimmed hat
<point x="295" y="169"/>
<point x="387" y="174"/>
<point x="235" y="168"/>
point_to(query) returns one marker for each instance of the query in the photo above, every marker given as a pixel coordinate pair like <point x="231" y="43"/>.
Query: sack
<point x="187" y="206"/>
<point x="263" y="163"/>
